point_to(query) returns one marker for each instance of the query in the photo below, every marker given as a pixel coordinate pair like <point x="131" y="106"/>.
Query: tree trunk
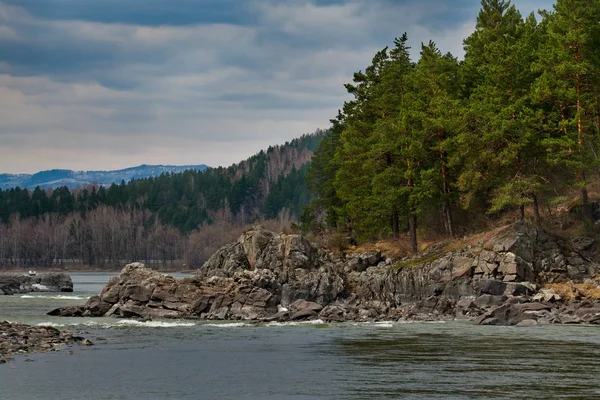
<point x="586" y="208"/>
<point x="536" y="210"/>
<point x="448" y="218"/>
<point x="412" y="229"/>
<point x="395" y="224"/>
<point x="522" y="212"/>
<point x="445" y="189"/>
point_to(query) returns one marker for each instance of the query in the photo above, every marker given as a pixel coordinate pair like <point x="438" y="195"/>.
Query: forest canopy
<point x="514" y="124"/>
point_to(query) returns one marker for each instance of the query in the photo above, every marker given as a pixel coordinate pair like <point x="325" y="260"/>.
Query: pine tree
<point x="568" y="86"/>
<point x="502" y="154"/>
<point x="439" y="115"/>
<point x="362" y="211"/>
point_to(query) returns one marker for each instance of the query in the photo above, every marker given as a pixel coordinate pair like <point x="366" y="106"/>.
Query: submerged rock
<point x="17" y="338"/>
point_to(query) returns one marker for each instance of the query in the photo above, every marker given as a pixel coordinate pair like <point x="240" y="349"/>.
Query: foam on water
<point x="296" y="323"/>
<point x="52" y="324"/>
<point x="230" y="325"/>
<point x="384" y="324"/>
<point x="54" y="297"/>
<point x="153" y="324"/>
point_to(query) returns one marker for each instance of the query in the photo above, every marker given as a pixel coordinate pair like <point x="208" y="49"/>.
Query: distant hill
<point x="64" y="177"/>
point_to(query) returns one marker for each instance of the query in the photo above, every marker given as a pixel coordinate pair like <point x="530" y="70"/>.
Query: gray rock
<point x="532" y="307"/>
<point x="528" y="322"/>
<point x="300" y="305"/>
<point x="506" y="314"/>
<point x="493" y="287"/>
<point x="303" y="314"/>
<point x="488" y="300"/>
<point x="333" y="313"/>
<point x="250" y="278"/>
<point x="46" y="282"/>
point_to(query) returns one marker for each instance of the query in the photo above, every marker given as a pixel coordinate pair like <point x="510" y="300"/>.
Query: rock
<point x="489" y="321"/>
<point x="96" y="306"/>
<point x="17" y="338"/>
<point x="333" y="313"/>
<point x="493" y="287"/>
<point x="466" y="304"/>
<point x="488" y="300"/>
<point x="506" y="314"/>
<point x="569" y="319"/>
<point x="69" y="311"/>
<point x="303" y="314"/>
<point x="264" y="274"/>
<point x="357" y="264"/>
<point x="582" y="243"/>
<point x="46" y="282"/>
<point x="528" y="322"/>
<point x="300" y="305"/>
<point x="531" y="307"/>
<point x="280" y="316"/>
<point x="55" y="281"/>
<point x="519" y="289"/>
<point x="546" y="295"/>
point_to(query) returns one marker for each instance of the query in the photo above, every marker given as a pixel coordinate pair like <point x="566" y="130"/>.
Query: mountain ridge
<point x="54" y="178"/>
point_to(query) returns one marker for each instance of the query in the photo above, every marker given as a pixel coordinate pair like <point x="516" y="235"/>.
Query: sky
<point x="109" y="84"/>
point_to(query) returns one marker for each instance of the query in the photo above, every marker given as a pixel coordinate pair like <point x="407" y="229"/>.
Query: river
<point x="232" y="360"/>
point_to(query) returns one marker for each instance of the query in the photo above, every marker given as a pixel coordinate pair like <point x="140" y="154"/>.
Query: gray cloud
<point x="96" y="86"/>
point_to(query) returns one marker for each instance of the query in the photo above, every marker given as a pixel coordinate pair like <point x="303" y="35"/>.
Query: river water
<point x="207" y="360"/>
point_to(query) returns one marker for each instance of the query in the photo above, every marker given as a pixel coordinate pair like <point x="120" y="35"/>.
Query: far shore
<point x="86" y="269"/>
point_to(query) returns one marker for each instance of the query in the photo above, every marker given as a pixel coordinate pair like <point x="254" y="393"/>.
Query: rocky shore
<point x="17" y="338"/>
<point x="505" y="277"/>
<point x="46" y="282"/>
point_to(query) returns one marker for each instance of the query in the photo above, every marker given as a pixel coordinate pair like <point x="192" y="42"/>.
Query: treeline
<point x="104" y="237"/>
<point x="515" y="124"/>
<point x="157" y="220"/>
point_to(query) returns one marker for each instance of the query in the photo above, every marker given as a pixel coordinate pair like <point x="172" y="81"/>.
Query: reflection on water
<point x="465" y="361"/>
<point x="220" y="360"/>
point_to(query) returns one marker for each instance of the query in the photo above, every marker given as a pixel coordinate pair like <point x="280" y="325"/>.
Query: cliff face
<point x="269" y="276"/>
<point x="512" y="255"/>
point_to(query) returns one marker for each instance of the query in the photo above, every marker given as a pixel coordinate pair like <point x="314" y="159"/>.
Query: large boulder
<point x="55" y="281"/>
<point x="46" y="282"/>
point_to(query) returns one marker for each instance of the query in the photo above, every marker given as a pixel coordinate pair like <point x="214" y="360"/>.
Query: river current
<point x="232" y="360"/>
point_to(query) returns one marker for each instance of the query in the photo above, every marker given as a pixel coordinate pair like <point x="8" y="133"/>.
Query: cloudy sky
<point x="107" y="84"/>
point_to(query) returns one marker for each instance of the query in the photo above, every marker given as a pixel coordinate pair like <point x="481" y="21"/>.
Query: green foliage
<point x="516" y="121"/>
<point x="189" y="199"/>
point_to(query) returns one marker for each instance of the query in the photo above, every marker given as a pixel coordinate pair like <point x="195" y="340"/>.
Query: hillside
<point x="440" y="146"/>
<point x="64" y="177"/>
<point x="162" y="219"/>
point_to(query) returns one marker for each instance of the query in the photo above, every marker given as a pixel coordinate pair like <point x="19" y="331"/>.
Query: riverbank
<point x="500" y="278"/>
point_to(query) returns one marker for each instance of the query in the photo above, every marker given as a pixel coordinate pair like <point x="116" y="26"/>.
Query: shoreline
<point x="25" y="271"/>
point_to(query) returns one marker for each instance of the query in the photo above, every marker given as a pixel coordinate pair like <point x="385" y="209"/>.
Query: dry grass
<point x="566" y="291"/>
<point x="429" y="249"/>
<point x="398" y="248"/>
<point x="589" y="291"/>
<point x="570" y="291"/>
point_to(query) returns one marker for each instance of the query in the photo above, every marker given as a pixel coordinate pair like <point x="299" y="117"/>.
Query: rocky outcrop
<point x="17" y="338"/>
<point x="46" y="282"/>
<point x="269" y="276"/>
